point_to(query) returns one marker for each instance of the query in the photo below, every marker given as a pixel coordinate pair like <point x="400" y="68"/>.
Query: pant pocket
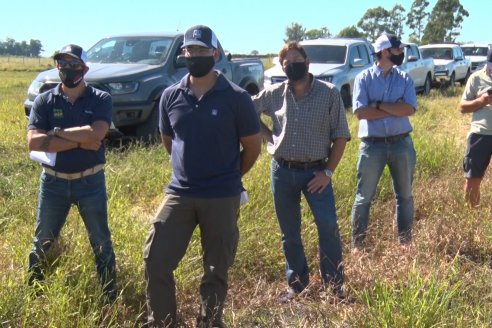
<point x="148" y="242"/>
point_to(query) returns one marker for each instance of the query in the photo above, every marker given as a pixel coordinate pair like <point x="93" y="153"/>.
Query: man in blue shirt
<point x="72" y="120"/>
<point x="384" y="98"/>
<point x="204" y="119"/>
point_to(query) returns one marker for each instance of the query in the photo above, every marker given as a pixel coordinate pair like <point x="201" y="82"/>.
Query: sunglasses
<point x="74" y="64"/>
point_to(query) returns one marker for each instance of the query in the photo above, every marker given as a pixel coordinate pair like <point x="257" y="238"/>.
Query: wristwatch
<point x="328" y="172"/>
<point x="56" y="130"/>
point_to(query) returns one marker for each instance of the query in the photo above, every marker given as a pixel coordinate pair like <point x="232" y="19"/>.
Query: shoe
<point x="288" y="296"/>
<point x="340" y="297"/>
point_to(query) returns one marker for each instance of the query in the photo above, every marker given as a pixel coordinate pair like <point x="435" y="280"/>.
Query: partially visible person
<point x="72" y="120"/>
<point x="306" y="142"/>
<point x="205" y="120"/>
<point x="384" y="98"/>
<point x="477" y="99"/>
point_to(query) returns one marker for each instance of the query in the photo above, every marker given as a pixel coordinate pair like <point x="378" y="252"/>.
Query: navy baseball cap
<point x="387" y="41"/>
<point x="74" y="51"/>
<point x="200" y="35"/>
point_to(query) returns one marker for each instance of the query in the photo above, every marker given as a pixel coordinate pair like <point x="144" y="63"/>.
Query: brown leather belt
<point x="76" y="175"/>
<point x="300" y="165"/>
<point x="390" y="139"/>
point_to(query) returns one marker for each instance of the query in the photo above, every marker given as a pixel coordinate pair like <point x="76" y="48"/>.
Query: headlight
<point x="120" y="88"/>
<point x="34" y="88"/>
<point x="327" y="78"/>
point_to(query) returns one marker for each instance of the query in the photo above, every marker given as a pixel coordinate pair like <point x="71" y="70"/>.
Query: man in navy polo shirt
<point x="204" y="119"/>
<point x="71" y="120"/>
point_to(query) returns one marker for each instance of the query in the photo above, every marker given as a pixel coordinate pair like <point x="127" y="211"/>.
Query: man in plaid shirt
<point x="307" y="140"/>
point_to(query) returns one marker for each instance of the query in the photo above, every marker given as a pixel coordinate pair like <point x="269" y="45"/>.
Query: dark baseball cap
<point x="74" y="51"/>
<point x="200" y="35"/>
<point x="387" y="41"/>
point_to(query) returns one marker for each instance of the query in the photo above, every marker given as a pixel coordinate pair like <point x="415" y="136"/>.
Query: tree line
<point x="439" y="25"/>
<point x="11" y="47"/>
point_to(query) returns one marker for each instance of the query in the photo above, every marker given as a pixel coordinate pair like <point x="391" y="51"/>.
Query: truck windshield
<point x="141" y="50"/>
<point x="475" y="51"/>
<point x="325" y="54"/>
<point x="436" y="53"/>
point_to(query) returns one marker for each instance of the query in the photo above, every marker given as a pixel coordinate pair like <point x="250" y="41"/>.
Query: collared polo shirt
<point x="304" y="129"/>
<point x="371" y="86"/>
<point x="205" y="134"/>
<point x="478" y="84"/>
<point x="51" y="109"/>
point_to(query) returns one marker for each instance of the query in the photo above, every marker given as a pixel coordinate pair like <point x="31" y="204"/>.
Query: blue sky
<point x="241" y="26"/>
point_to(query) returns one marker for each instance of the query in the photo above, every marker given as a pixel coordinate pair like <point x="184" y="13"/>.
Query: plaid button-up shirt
<point x="304" y="129"/>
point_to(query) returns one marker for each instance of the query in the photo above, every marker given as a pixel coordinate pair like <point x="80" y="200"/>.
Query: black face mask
<point x="295" y="71"/>
<point x="397" y="59"/>
<point x="199" y="66"/>
<point x="71" y="78"/>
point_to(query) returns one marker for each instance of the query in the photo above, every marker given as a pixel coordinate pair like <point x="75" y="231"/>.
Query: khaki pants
<point x="168" y="239"/>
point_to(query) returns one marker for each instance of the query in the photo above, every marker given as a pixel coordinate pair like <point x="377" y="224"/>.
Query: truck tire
<point x="427" y="86"/>
<point x="347" y="100"/>
<point x="148" y="131"/>
<point x="452" y="80"/>
<point x="463" y="82"/>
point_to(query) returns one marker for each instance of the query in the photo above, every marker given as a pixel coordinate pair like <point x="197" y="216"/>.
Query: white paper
<point x="244" y="198"/>
<point x="43" y="157"/>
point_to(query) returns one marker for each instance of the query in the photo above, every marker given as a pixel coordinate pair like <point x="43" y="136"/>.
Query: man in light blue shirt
<point x="384" y="98"/>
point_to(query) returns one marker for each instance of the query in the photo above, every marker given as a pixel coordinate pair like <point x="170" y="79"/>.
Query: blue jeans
<point x="56" y="196"/>
<point x="373" y="157"/>
<point x="287" y="185"/>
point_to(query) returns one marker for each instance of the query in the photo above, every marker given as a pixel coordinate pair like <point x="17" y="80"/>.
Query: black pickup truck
<point x="135" y="69"/>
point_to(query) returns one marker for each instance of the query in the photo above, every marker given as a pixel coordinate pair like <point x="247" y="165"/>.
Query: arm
<point x="385" y="109"/>
<point x="266" y="133"/>
<point x="251" y="150"/>
<point x="167" y="142"/>
<point x="470" y="106"/>
<point x="85" y="134"/>
<point x="320" y="180"/>
<point x="41" y="140"/>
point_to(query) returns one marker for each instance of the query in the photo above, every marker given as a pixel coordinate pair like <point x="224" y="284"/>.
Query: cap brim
<point x="196" y="43"/>
<point x="60" y="54"/>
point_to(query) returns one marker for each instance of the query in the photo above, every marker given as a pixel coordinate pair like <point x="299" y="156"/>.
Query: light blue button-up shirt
<point x="370" y="86"/>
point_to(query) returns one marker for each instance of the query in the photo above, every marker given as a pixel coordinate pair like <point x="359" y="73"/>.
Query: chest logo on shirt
<point x="214" y="112"/>
<point x="57" y="113"/>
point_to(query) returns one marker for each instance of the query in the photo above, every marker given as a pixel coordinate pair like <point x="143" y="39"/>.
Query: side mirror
<point x="180" y="61"/>
<point x="412" y="58"/>
<point x="357" y="62"/>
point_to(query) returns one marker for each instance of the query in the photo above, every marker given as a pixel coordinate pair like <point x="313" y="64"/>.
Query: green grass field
<point x="445" y="281"/>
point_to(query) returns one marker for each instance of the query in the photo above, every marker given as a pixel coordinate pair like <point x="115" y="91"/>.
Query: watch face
<point x="328" y="173"/>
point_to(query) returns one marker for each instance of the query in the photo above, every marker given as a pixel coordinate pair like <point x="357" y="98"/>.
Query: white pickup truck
<point x="336" y="60"/>
<point x="420" y="69"/>
<point x="477" y="53"/>
<point x="450" y="65"/>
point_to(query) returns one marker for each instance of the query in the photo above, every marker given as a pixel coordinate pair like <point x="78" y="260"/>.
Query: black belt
<point x="390" y="139"/>
<point x="300" y="165"/>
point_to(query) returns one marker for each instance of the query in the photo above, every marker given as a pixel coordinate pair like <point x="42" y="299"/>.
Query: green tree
<point x="416" y="19"/>
<point x="374" y="22"/>
<point x="318" y="33"/>
<point x="35" y="48"/>
<point x="396" y="20"/>
<point x="444" y="22"/>
<point x="295" y="32"/>
<point x="350" y="32"/>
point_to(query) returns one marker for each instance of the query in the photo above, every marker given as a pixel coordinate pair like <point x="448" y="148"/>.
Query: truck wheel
<point x="148" y="131"/>
<point x="347" y="100"/>
<point x="452" y="80"/>
<point x="463" y="82"/>
<point x="427" y="86"/>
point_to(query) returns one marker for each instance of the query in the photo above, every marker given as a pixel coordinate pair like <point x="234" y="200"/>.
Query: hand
<point x="94" y="145"/>
<point x="319" y="182"/>
<point x="486" y="99"/>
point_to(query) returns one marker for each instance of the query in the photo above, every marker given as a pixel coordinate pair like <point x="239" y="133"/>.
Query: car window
<point x="363" y="54"/>
<point x="142" y="50"/>
<point x="325" y="54"/>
